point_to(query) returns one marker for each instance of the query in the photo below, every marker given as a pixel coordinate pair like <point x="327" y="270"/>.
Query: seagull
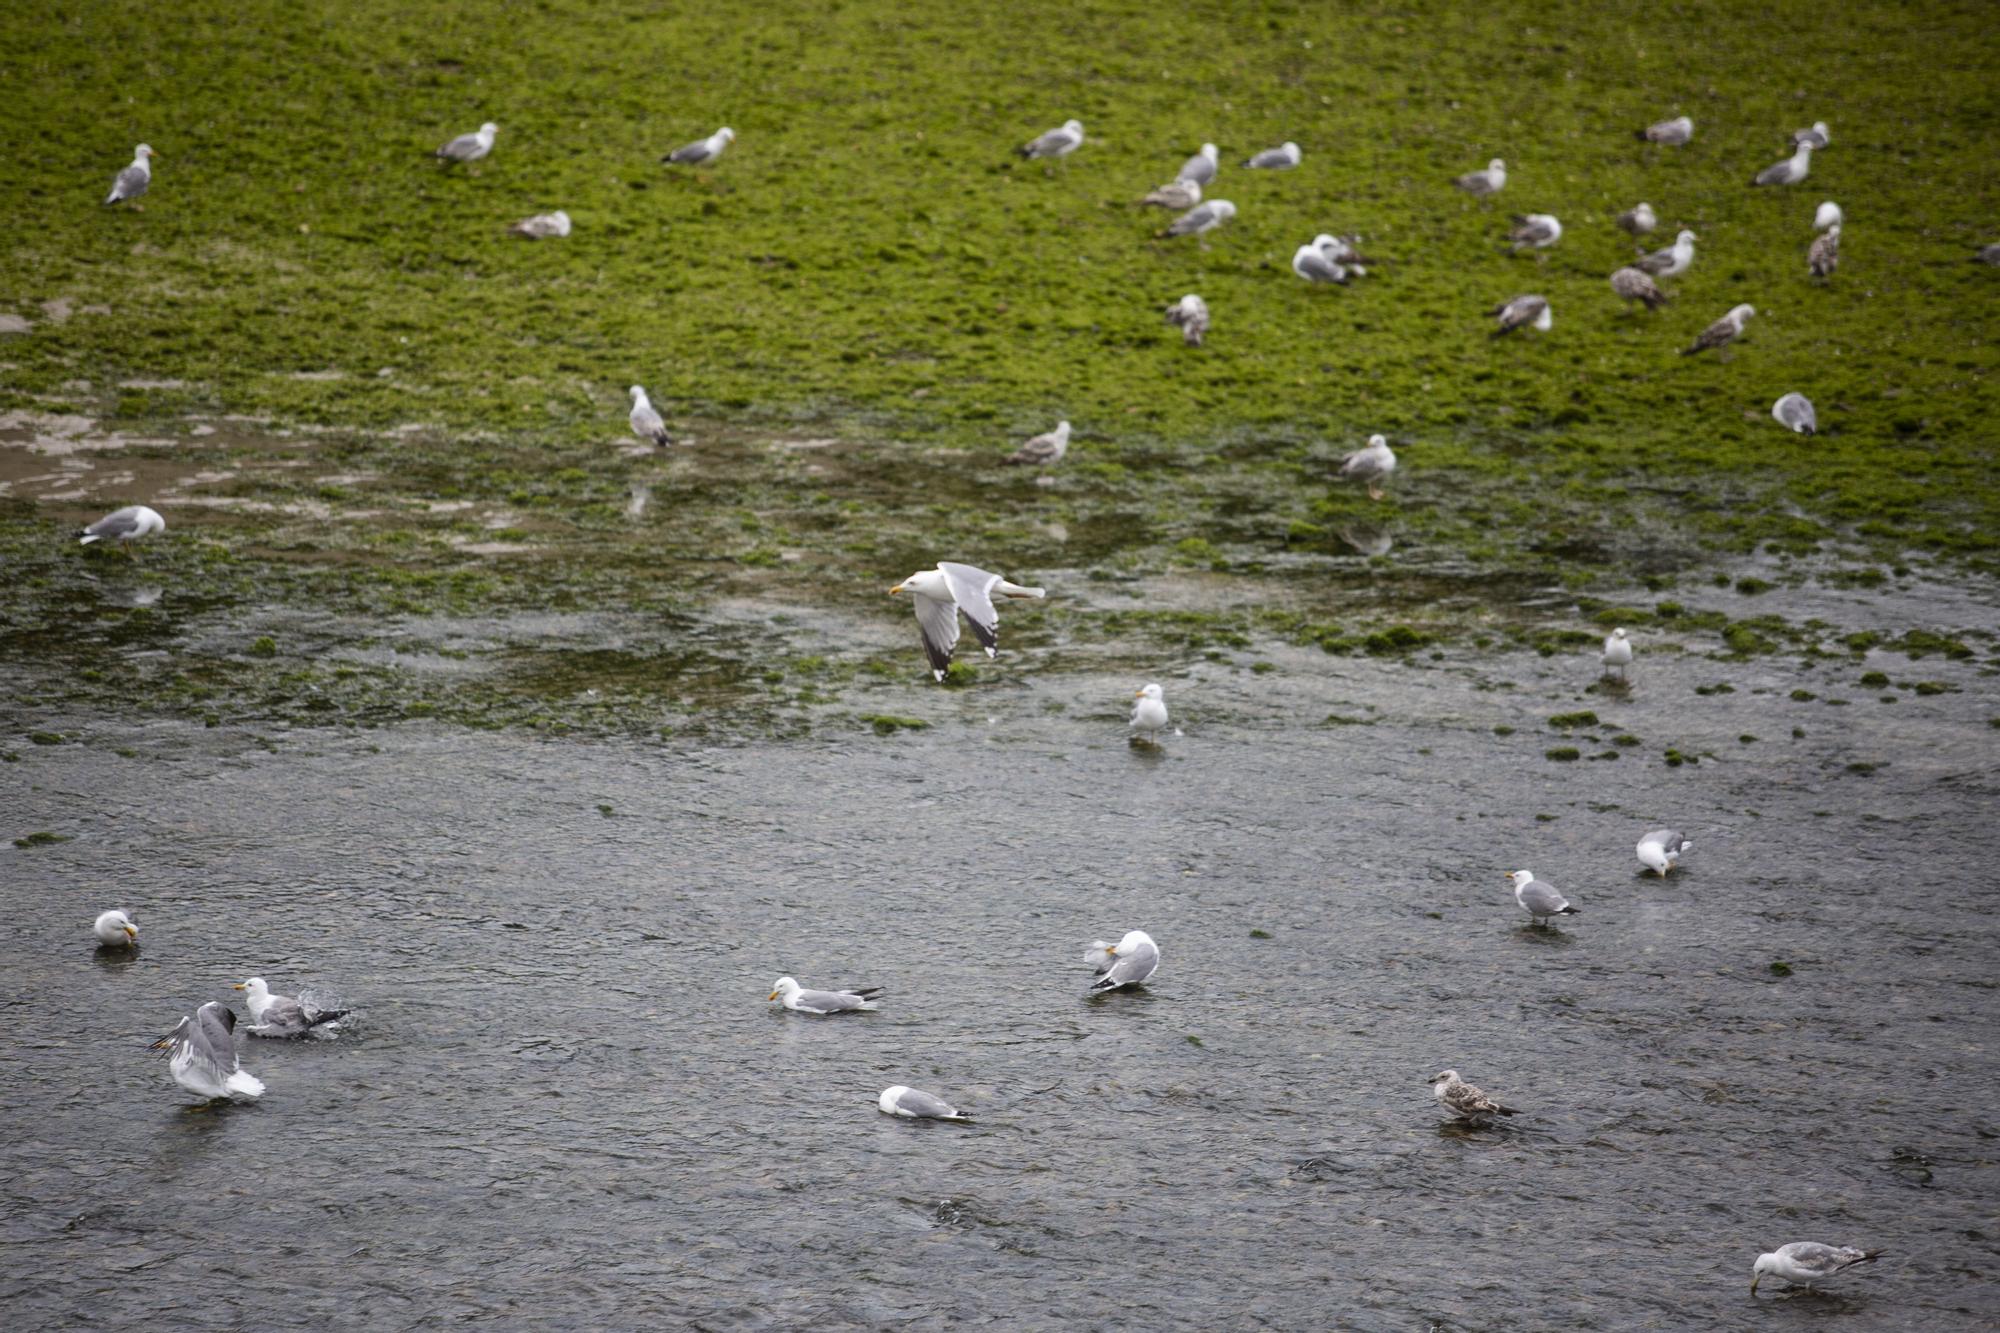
<point x="1538" y="898"/>
<point x="1464" y="1100"/>
<point x="1522" y="310"/>
<point x="1282" y="158"/>
<point x="1489" y="181"/>
<point x="1816" y="136"/>
<point x="646" y="423"/>
<point x="1660" y="850"/>
<point x="1638" y="220"/>
<point x="282" y="1015"/>
<point x="806" y="1001"/>
<point x="1126" y="963"/>
<point x="1617" y="652"/>
<point x="1203" y="218"/>
<point x="1058" y="142"/>
<point x="914" y="1105"/>
<point x="1191" y="314"/>
<point x="1806" y="1262"/>
<point x="1672" y="261"/>
<point x="1371" y="465"/>
<point x="470" y="147"/>
<point x="1790" y="171"/>
<point x="1823" y="255"/>
<point x="1676" y="131"/>
<point x="1311" y="263"/>
<point x="115" y="928"/>
<point x="1828" y="215"/>
<point x="1795" y="413"/>
<point x="1723" y="331"/>
<point x="542" y="225"/>
<point x="1149" y="714"/>
<point x="202" y="1055"/>
<point x="1044" y="450"/>
<point x="1634" y="285"/>
<point x="702" y="150"/>
<point x="129" y="524"/>
<point x="1990" y="254"/>
<point x="1340" y="249"/>
<point x="1200" y="169"/>
<point x="1175" y="194"/>
<point x="1535" y="231"/>
<point x="134" y="180"/>
<point x="941" y="593"/>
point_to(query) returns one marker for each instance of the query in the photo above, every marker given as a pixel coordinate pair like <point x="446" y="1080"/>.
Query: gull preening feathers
<point x="1660" y="851"/>
<point x="1823" y="255"/>
<point x="1676" y="131"/>
<point x="1175" y="194"/>
<point x="646" y="422"/>
<point x="1633" y="284"/>
<point x="1340" y="249"/>
<point x="129" y="524"/>
<point x="1538" y="898"/>
<point x="940" y="594"/>
<point x="1617" y="652"/>
<point x="1282" y="158"/>
<point x="1790" y="171"/>
<point x="1044" y="450"/>
<point x="702" y="150"/>
<point x="1462" y="1099"/>
<point x="201" y="1054"/>
<point x="1817" y="136"/>
<point x="796" y="997"/>
<point x="1827" y="215"/>
<point x="1314" y="265"/>
<point x="1523" y="311"/>
<point x="1723" y="332"/>
<point x="1535" y="231"/>
<point x="1149" y="712"/>
<point x="1200" y="169"/>
<point x="1795" y="413"/>
<point x="1190" y="313"/>
<point x="1058" y="142"/>
<point x="1202" y="218"/>
<point x="911" y="1104"/>
<point x="116" y="929"/>
<point x="1371" y="464"/>
<point x="1672" y="261"/>
<point x="1126" y="963"/>
<point x="1490" y="181"/>
<point x="469" y="147"/>
<point x="134" y="180"/>
<point x="1806" y="1263"/>
<point x="282" y="1015"/>
<point x="1639" y="219"/>
<point x="542" y="226"/>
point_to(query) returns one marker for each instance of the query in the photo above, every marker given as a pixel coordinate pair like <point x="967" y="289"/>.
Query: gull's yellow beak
<point x="772" y="996"/>
<point x="1753" y="1283"/>
<point x="239" y="986"/>
<point x="1112" y="950"/>
<point x="131" y="932"/>
<point x="1138" y="694"/>
<point x="893" y="591"/>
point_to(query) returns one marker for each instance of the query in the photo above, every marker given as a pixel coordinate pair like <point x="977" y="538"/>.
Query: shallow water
<point x="564" y="1102"/>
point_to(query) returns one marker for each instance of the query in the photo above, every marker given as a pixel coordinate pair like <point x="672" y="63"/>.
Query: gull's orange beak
<point x="239" y="986"/>
<point x="1138" y="694"/>
<point x="893" y="591"/>
<point x="131" y="932"/>
<point x="772" y="996"/>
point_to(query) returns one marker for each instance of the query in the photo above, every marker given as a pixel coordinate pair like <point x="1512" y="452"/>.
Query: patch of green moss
<point x="1563" y="754"/>
<point x="1570" y="721"/>
<point x="886" y="724"/>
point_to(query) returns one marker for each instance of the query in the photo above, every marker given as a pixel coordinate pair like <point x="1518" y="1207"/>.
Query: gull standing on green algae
<point x="1660" y="851"/>
<point x="1790" y="171"/>
<point x="116" y="929"/>
<point x="940" y="594"/>
<point x="1723" y="332"/>
<point x="1312" y="263"/>
<point x="1633" y="284"/>
<point x="911" y="1104"/>
<point x="201" y="1054"/>
<point x="1200" y="169"/>
<point x="1538" y="898"/>
<point x="1639" y="219"/>
<point x="1817" y="136"/>
<point x="1127" y="963"/>
<point x="1175" y="194"/>
<point x="542" y="225"/>
<point x="1149" y="713"/>
<point x="1462" y="1099"/>
<point x="134" y="180"/>
<point x="797" y="998"/>
<point x="1673" y="132"/>
<point x="1482" y="183"/>
<point x="1523" y="311"/>
<point x="1823" y="255"/>
<point x="1061" y="141"/>
<point x="1827" y="215"/>
<point x="283" y="1015"/>
<point x="1806" y="1263"/>
<point x="1044" y="450"/>
<point x="1795" y="413"/>
<point x="1672" y="261"/>
<point x="1282" y="158"/>
<point x="646" y="422"/>
<point x="702" y="150"/>
<point x="1340" y="249"/>
<point x="1202" y="219"/>
<point x="469" y="147"/>
<point x="1372" y="464"/>
<point x="1190" y="313"/>
<point x="130" y="524"/>
<point x="1535" y="231"/>
<point x="1617" y="652"/>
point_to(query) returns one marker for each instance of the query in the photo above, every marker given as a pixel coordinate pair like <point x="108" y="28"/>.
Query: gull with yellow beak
<point x="1149" y="714"/>
<point x="282" y="1015"/>
<point x="1127" y="963"/>
<point x="116" y="930"/>
<point x="806" y="1001"/>
<point x="941" y="593"/>
<point x="1805" y="1263"/>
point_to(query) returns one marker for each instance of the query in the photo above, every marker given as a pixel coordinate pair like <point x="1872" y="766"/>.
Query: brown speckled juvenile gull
<point x="1529" y="311"/>
<point x="1823" y="255"/>
<point x="1462" y="1099"/>
<point x="1634" y="285"/>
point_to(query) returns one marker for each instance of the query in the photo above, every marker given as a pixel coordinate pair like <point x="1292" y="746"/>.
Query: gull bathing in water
<point x="1126" y="963"/>
<point x="1462" y="1099"/>
<point x="1282" y="158"/>
<point x="1639" y="219"/>
<point x="1790" y="171"/>
<point x="1823" y="255"/>
<point x="1175" y="194"/>
<point x="941" y="593"/>
<point x="1795" y="413"/>
<point x="702" y="150"/>
<point x="1535" y="231"/>
<point x="1660" y="850"/>
<point x="911" y="1104"/>
<point x="804" y="1001"/>
<point x="542" y="225"/>
<point x="1634" y="285"/>
<point x="1311" y="263"/>
<point x="1806" y="1263"/>
<point x="1200" y="169"/>
<point x="1816" y="136"/>
<point x="1202" y="218"/>
<point x="1676" y="131"/>
<point x="1191" y="314"/>
<point x="1371" y="464"/>
<point x="202" y="1055"/>
<point x="1538" y="898"/>
<point x="1723" y="332"/>
<point x="116" y="929"/>
<point x="469" y="147"/>
<point x="1531" y="311"/>
<point x="1482" y="183"/>
<point x="129" y="524"/>
<point x="282" y="1015"/>
<point x="1672" y="261"/>
<point x="1617" y="652"/>
<point x="1149" y="714"/>
<point x="1058" y="142"/>
<point x="1044" y="450"/>
<point x="646" y="423"/>
<point x="134" y="180"/>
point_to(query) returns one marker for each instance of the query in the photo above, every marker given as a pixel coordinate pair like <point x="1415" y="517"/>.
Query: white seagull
<point x="1672" y="261"/>
<point x="1490" y="181"/>
<point x="470" y="147"/>
<point x="1617" y="652"/>
<point x="646" y="422"/>
<point x="282" y="1015"/>
<point x="804" y="1001"/>
<point x="1660" y="851"/>
<point x="1806" y="1263"/>
<point x="542" y="225"/>
<point x="1538" y="898"/>
<point x="129" y="524"/>
<point x="1340" y="249"/>
<point x="1676" y="131"/>
<point x="1464" y="1100"/>
<point x="1823" y="255"/>
<point x="1190" y="313"/>
<point x="1149" y="713"/>
<point x="1532" y="311"/>
<point x="911" y="1104"/>
<point x="1175" y="194"/>
<point x="1200" y="169"/>
<point x="115" y="928"/>
<point x="1817" y="136"/>
<point x="1126" y="963"/>
<point x="1535" y="231"/>
<point x="1639" y="219"/>
<point x="1634" y="285"/>
<point x="1202" y="218"/>
<point x="1044" y="450"/>
<point x="702" y="150"/>
<point x="1372" y="465"/>
<point x="1795" y="413"/>
<point x="940" y="594"/>
<point x="1790" y="171"/>
<point x="1058" y="142"/>
<point x="1827" y="215"/>
<point x="1723" y="332"/>
<point x="202" y="1055"/>
<point x="134" y="180"/>
<point x="1311" y="263"/>
<point x="1282" y="158"/>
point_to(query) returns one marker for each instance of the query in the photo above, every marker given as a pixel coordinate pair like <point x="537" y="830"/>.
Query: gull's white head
<point x="1834" y="230"/>
<point x="1521" y="878"/>
<point x="1654" y="858"/>
<point x="1223" y="209"/>
<point x="638" y="394"/>
<point x="726" y="134"/>
<point x="1208" y="151"/>
<point x="1062" y="430"/>
<point x="1805" y="148"/>
<point x="1766" y="1263"/>
<point x="488" y="130"/>
<point x="925" y="583"/>
<point x="1289" y="147"/>
<point x="1828" y="215"/>
<point x="1133" y="939"/>
<point x="1497" y="164"/>
<point x="256" y="988"/>
<point x="1150" y="692"/>
<point x="1819" y="128"/>
<point x="1618" y="634"/>
<point x="1742" y="312"/>
<point x="142" y="152"/>
<point x="1686" y="238"/>
<point x="1378" y="442"/>
<point x="887" y="1101"/>
<point x="1073" y="126"/>
<point x="114" y="927"/>
<point x="784" y="986"/>
<point x="1444" y="1077"/>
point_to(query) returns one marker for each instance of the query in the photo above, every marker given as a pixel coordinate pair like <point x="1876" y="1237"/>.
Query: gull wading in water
<point x="797" y="998"/>
<point x="1200" y="169"/>
<point x="542" y="226"/>
<point x="115" y="929"/>
<point x="1190" y="313"/>
<point x="469" y="147"/>
<point x="1462" y="1099"/>
<point x="202" y="1055"/>
<point x="1058" y="142"/>
<point x="1634" y="285"/>
<point x="129" y="524"/>
<point x="1202" y="219"/>
<point x="1372" y="465"/>
<point x="134" y="180"/>
<point x="1538" y="898"/>
<point x="1790" y="171"/>
<point x="1482" y="183"/>
<point x="1126" y="963"/>
<point x="1149" y="713"/>
<point x="940" y="594"/>
<point x="1672" y="261"/>
<point x="646" y="422"/>
<point x="1523" y="311"/>
<point x="1660" y="851"/>
<point x="911" y="1104"/>
<point x="1175" y="194"/>
<point x="1723" y="332"/>
<point x="1617" y="652"/>
<point x="1535" y="231"/>
<point x="282" y="1015"/>
<point x="702" y="150"/>
<point x="1795" y="413"/>
<point x="1639" y="219"/>
<point x="1807" y="1263"/>
<point x="1676" y="131"/>
<point x="1282" y="158"/>
<point x="1042" y="451"/>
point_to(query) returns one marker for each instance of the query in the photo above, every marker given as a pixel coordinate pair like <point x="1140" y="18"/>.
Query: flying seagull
<point x="1823" y="255"/>
<point x="1175" y="194"/>
<point x="1044" y="450"/>
<point x="1126" y="963"/>
<point x="1672" y="261"/>
<point x="646" y="423"/>
<point x="1058" y="142"/>
<point x="1639" y="219"/>
<point x="1676" y="131"/>
<point x="1617" y="652"/>
<point x="469" y="147"/>
<point x="1790" y="171"/>
<point x="941" y="593"/>
<point x="1200" y="169"/>
<point x="1806" y="1263"/>
<point x="1534" y="231"/>
<point x="129" y="524"/>
<point x="1462" y="1099"/>
<point x="202" y="1055"/>
<point x="1723" y="331"/>
<point x="1311" y="263"/>
<point x="804" y="1001"/>
<point x="542" y="225"/>
<point x="1282" y="158"/>
<point x="1816" y="136"/>
<point x="1191" y="314"/>
<point x="134" y="180"/>
<point x="1660" y="851"/>
<point x="1149" y="713"/>
<point x="911" y="1104"/>
<point x="1634" y="285"/>
<point x="1372" y="465"/>
<point x="1538" y="898"/>
<point x="1202" y="218"/>
<point x="702" y="150"/>
<point x="1523" y="310"/>
<point x="282" y="1015"/>
<point x="1795" y="413"/>
<point x="116" y="929"/>
<point x="1489" y="181"/>
<point x="1827" y="215"/>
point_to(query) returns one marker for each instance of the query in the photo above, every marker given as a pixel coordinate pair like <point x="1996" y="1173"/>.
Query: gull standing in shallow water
<point x="1723" y="332"/>
<point x="1191" y="314"/>
<point x="1282" y="158"/>
<point x="1790" y="171"/>
<point x="1532" y="311"/>
<point x="911" y="1104"/>
<point x="940" y="594"/>
<point x="282" y="1015"/>
<point x="1044" y="450"/>
<point x="646" y="423"/>
<point x="1482" y="183"/>
<point x="129" y="524"/>
<point x="1634" y="285"/>
<point x="134" y="180"/>
<point x="1675" y="132"/>
<point x="469" y="147"/>
<point x="796" y="997"/>
<point x="1202" y="218"/>
<point x="1538" y="898"/>
<point x="1058" y="142"/>
<point x="1200" y="169"/>
<point x="702" y="150"/>
<point x="1149" y="714"/>
<point x="542" y="225"/>
<point x="1175" y="194"/>
<point x="1371" y="464"/>
<point x="1639" y="219"/>
<point x="115" y="929"/>
<point x="1126" y="963"/>
<point x="1462" y="1099"/>
<point x="1660" y="851"/>
<point x="1795" y="413"/>
<point x="1806" y="1263"/>
<point x="202" y="1055"/>
<point x="1617" y="652"/>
